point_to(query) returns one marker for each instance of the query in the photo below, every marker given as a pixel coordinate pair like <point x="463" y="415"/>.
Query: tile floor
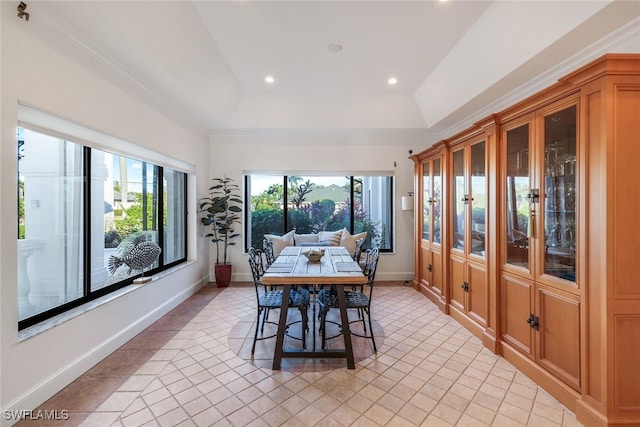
<point x="193" y="367"/>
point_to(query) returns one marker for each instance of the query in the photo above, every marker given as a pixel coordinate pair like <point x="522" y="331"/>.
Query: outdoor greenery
<point x="306" y="216"/>
<point x="128" y="221"/>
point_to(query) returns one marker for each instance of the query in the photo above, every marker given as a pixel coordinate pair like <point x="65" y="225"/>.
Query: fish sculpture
<point x="137" y="256"/>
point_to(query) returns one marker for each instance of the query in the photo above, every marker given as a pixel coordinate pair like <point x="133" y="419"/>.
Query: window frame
<point x="247" y="203"/>
<point x="89" y="295"/>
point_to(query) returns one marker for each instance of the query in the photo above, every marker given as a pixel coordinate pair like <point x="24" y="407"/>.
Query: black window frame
<point x="91" y="295"/>
<point x="247" y="209"/>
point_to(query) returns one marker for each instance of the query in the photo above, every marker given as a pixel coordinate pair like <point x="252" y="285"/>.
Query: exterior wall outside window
<point x="50" y="261"/>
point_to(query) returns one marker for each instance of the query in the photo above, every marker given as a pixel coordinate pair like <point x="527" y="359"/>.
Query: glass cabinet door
<point x="437" y="201"/>
<point x="560" y="194"/>
<point x="517" y="186"/>
<point x="426" y="202"/>
<point x="478" y="198"/>
<point x="460" y="199"/>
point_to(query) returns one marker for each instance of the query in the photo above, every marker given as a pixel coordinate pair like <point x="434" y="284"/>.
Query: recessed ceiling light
<point x="335" y="48"/>
<point x="269" y="79"/>
<point x="392" y="81"/>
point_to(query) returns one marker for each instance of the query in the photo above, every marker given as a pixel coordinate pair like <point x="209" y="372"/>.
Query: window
<point x="277" y="204"/>
<point x="81" y="212"/>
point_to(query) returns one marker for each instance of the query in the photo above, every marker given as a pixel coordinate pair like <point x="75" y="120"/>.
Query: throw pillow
<point x="305" y="239"/>
<point x="280" y="242"/>
<point x="331" y="237"/>
<point x="349" y="240"/>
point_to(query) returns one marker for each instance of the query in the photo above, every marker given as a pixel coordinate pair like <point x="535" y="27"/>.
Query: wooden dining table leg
<point x="282" y="328"/>
<point x="346" y="331"/>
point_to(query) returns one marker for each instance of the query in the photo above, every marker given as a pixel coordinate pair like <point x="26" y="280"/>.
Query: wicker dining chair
<point x="359" y="300"/>
<point x="271" y="298"/>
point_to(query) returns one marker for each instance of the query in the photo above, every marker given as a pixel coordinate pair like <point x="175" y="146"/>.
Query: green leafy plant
<point x="222" y="210"/>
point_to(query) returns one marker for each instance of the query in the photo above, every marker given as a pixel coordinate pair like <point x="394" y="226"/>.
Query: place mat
<point x="348" y="267"/>
<point x="280" y="268"/>
<point x="290" y="251"/>
<point x="338" y="251"/>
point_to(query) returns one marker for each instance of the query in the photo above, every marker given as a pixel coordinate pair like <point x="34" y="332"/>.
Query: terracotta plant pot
<point x="223" y="275"/>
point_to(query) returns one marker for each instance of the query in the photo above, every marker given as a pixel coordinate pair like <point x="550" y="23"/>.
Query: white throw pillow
<point x="305" y="239"/>
<point x="330" y="237"/>
<point x="280" y="242"/>
<point x="348" y="240"/>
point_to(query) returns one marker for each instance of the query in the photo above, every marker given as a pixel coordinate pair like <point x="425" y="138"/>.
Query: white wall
<point x="323" y="151"/>
<point x="40" y="70"/>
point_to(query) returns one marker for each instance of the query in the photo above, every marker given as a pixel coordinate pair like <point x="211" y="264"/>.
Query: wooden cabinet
<point x="543" y="324"/>
<point x="552" y="285"/>
<point x="469" y="298"/>
<point x="469" y="292"/>
<point x="540" y="199"/>
<point x="430" y="273"/>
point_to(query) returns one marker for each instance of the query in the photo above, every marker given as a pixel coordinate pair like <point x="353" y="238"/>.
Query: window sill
<point x="51" y="323"/>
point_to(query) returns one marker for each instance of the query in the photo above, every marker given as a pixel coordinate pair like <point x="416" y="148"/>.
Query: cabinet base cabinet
<point x="430" y="283"/>
<point x="543" y="324"/>
<point x="469" y="297"/>
<point x="516" y="296"/>
<point x="477" y="293"/>
<point x="558" y="338"/>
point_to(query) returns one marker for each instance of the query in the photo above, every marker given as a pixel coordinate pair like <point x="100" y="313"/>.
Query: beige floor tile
<point x="391" y="402"/>
<point x="164" y="406"/>
<point x="242" y="417"/>
<point x="345" y="415"/>
<point x="277" y="416"/>
<point x="118" y="401"/>
<point x="194" y="368"/>
<point x="310" y="415"/>
<point x="173" y="417"/>
<point x="479" y="412"/>
<point x="467" y="421"/>
<point x="379" y="414"/>
<point x="230" y="405"/>
<point x="513" y="412"/>
<point x="415" y="414"/>
<point x="100" y="419"/>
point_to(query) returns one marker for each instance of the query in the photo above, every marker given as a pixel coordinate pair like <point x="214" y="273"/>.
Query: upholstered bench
<point x="322" y="238"/>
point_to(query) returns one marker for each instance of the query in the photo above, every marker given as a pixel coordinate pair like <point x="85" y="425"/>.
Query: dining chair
<point x="359" y="300"/>
<point x="271" y="298"/>
<point x="357" y="253"/>
<point x="267" y="248"/>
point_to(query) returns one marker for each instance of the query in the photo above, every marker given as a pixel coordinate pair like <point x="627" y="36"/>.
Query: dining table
<point x="292" y="268"/>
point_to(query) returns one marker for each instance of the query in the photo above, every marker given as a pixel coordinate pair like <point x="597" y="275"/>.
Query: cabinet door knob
<point x="534" y="321"/>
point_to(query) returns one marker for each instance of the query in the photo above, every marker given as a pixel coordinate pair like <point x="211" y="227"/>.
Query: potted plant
<point x="222" y="210"/>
